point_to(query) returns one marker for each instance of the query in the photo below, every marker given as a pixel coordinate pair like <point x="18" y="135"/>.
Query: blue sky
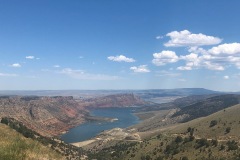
<point x="120" y="44"/>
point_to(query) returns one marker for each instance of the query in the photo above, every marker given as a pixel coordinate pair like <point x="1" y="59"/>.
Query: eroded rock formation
<point x="51" y="116"/>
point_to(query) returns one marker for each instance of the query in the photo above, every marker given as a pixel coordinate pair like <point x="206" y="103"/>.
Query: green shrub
<point x="213" y="123"/>
<point x="178" y="139"/>
<point x="201" y="142"/>
<point x="184" y="158"/>
<point x="228" y="129"/>
<point x="232" y="145"/>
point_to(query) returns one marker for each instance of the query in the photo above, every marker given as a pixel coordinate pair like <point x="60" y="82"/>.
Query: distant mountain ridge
<point x="158" y="92"/>
<point x="118" y="100"/>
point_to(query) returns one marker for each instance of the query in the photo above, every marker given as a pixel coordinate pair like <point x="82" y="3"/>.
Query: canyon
<point x="52" y="116"/>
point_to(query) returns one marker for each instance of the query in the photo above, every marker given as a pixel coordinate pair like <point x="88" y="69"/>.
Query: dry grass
<point x="225" y="118"/>
<point x="16" y="147"/>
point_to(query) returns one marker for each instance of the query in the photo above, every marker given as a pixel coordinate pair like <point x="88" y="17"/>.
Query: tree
<point x="4" y="121"/>
<point x="178" y="139"/>
<point x="228" y="129"/>
<point x="232" y="145"/>
<point x="148" y="157"/>
<point x="202" y="142"/>
<point x="191" y="132"/>
<point x="213" y="123"/>
<point x="184" y="158"/>
<point x="222" y="147"/>
<point x="214" y="142"/>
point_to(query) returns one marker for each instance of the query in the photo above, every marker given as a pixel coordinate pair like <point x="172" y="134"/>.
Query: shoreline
<point x="83" y="143"/>
<point x="99" y="119"/>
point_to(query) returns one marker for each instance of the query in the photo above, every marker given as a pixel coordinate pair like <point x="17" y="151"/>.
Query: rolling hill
<point x="14" y="147"/>
<point x="207" y="106"/>
<point x="215" y="125"/>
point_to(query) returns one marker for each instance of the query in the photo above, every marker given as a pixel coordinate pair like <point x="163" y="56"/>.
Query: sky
<point x="120" y="44"/>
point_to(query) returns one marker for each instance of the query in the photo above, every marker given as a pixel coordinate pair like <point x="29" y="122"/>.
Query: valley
<point x="52" y="116"/>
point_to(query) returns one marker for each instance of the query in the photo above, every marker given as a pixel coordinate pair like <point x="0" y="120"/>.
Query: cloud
<point x="186" y="38"/>
<point x="227" y="48"/>
<point x="194" y="61"/>
<point x="80" y="74"/>
<point x="201" y="59"/>
<point x="213" y="66"/>
<point x="56" y="66"/>
<point x="140" y="69"/>
<point x="29" y="57"/>
<point x="192" y="57"/>
<point x="7" y="75"/>
<point x="165" y="73"/>
<point x="182" y="80"/>
<point x="16" y="65"/>
<point x="164" y="57"/>
<point x="185" y="68"/>
<point x="226" y="77"/>
<point x="120" y="58"/>
<point x="219" y="57"/>
<point x="159" y="37"/>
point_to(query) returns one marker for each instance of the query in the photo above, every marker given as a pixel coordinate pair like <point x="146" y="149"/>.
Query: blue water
<point x="88" y="130"/>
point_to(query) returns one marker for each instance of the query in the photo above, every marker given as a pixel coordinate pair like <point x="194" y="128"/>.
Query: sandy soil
<point x="83" y="143"/>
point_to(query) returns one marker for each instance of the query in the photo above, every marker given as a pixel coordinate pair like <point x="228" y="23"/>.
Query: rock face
<point x="51" y="116"/>
<point x="48" y="116"/>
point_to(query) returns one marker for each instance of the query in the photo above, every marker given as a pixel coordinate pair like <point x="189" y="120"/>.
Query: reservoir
<point x="88" y="130"/>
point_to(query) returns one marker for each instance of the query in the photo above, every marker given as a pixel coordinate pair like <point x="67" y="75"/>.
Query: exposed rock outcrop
<point x="48" y="116"/>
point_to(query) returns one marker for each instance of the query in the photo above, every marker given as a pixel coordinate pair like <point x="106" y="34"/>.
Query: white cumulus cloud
<point x="56" y="66"/>
<point x="194" y="61"/>
<point x="17" y="65"/>
<point x="219" y="57"/>
<point x="164" y="57"/>
<point x="227" y="48"/>
<point x="213" y="66"/>
<point x="29" y="57"/>
<point x="159" y="37"/>
<point x="226" y="77"/>
<point x="121" y="58"/>
<point x="140" y="69"/>
<point x="185" y="68"/>
<point x="186" y="38"/>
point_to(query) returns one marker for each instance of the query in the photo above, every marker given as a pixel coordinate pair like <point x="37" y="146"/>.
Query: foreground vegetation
<point x="18" y="148"/>
<point x="163" y="147"/>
